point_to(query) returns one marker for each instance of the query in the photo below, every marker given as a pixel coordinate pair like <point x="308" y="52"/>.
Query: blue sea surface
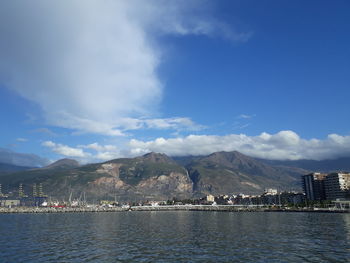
<point x="175" y="236"/>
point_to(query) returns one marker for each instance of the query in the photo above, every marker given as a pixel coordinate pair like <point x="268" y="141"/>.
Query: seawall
<point x="218" y="208"/>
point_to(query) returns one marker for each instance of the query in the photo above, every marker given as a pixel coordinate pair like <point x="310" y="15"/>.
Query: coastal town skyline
<point x="174" y="131"/>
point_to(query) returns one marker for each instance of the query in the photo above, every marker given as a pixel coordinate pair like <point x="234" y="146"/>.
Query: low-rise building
<point x="271" y="191"/>
<point x="210" y="198"/>
<point x="9" y="202"/>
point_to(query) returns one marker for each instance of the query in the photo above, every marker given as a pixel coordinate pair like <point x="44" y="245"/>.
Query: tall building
<point x="313" y="185"/>
<point x="1" y="194"/>
<point x="337" y="186"/>
<point x="21" y="193"/>
<point x="38" y="195"/>
<point x="35" y="192"/>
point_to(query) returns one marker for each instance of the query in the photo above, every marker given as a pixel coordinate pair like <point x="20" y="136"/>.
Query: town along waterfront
<point x="175" y="236"/>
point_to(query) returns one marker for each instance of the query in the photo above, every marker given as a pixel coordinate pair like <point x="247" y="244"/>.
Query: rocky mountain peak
<point x="157" y="158"/>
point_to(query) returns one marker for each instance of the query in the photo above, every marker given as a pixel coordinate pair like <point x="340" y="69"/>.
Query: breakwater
<point x="223" y="208"/>
<point x="34" y="210"/>
<point x="217" y="208"/>
<point x="233" y="208"/>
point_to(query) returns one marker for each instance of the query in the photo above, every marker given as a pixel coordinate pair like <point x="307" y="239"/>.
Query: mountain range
<point x="156" y="176"/>
<point x="326" y="166"/>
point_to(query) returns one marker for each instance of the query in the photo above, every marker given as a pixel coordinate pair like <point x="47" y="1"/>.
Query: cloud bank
<point x="65" y="150"/>
<point x="93" y="152"/>
<point x="284" y="145"/>
<point x="91" y="66"/>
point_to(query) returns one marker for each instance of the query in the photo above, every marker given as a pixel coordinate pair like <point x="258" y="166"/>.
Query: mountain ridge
<point x="327" y="165"/>
<point x="221" y="172"/>
<point x="158" y="176"/>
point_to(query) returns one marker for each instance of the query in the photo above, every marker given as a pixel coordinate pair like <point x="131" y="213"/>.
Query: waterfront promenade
<point x="218" y="208"/>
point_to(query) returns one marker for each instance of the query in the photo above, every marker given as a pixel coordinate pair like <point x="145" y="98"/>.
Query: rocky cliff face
<point x="161" y="185"/>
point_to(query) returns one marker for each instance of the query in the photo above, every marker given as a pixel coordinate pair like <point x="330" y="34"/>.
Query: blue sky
<point x="120" y="78"/>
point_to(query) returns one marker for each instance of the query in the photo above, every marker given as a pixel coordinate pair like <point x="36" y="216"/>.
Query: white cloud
<point x="173" y="123"/>
<point x="21" y="139"/>
<point x="93" y="152"/>
<point x="106" y="156"/>
<point x="91" y="65"/>
<point x="280" y="146"/>
<point x="45" y="131"/>
<point x="240" y="126"/>
<point x="284" y="145"/>
<point x="176" y="123"/>
<point x="246" y="116"/>
<point x="84" y="64"/>
<point x="99" y="148"/>
<point x="65" y="150"/>
<point x="102" y="152"/>
<point x="122" y="125"/>
<point x="85" y="125"/>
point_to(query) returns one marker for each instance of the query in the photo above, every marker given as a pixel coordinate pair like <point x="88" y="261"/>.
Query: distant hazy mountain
<point x="340" y="164"/>
<point x="21" y="159"/>
<point x="9" y="168"/>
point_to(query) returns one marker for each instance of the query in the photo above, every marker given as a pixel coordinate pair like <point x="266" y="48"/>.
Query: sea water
<point x="175" y="236"/>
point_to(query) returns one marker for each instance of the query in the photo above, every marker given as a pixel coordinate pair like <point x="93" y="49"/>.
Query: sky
<point x="101" y="79"/>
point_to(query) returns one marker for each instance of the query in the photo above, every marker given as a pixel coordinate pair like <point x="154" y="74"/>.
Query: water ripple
<point x="177" y="236"/>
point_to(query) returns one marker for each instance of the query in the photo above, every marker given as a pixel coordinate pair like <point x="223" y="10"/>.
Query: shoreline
<point x="216" y="208"/>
